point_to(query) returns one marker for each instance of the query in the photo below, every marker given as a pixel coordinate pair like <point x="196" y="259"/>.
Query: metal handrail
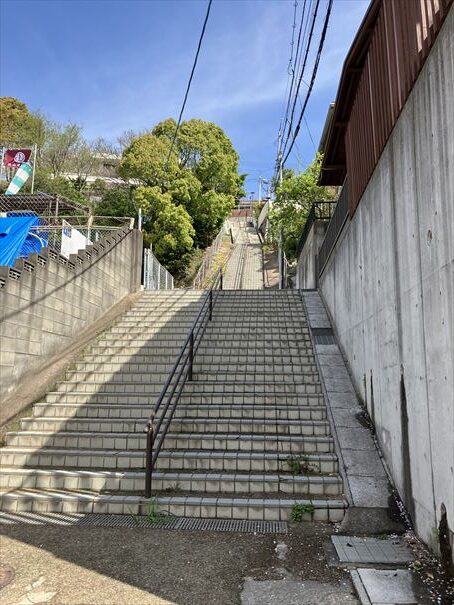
<point x="182" y="371"/>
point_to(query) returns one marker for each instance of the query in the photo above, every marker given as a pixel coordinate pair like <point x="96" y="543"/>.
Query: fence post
<point x="221" y="283"/>
<point x="211" y="305"/>
<point x="149" y="458"/>
<point x="191" y="355"/>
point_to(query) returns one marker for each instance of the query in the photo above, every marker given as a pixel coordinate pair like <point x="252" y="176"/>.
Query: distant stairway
<point x="249" y="439"/>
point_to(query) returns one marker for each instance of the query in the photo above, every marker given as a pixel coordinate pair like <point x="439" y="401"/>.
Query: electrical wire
<point x="306" y="54"/>
<point x="190" y="79"/>
<point x="311" y="84"/>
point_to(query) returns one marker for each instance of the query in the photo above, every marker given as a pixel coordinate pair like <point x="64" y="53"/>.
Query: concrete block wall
<point x="47" y="299"/>
<point x="389" y="287"/>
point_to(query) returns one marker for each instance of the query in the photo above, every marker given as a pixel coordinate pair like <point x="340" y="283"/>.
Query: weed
<point x="298" y="511"/>
<point x="300" y="465"/>
<point x="154" y="514"/>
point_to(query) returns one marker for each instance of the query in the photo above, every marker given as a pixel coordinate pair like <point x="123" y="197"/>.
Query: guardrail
<point x="181" y="372"/>
<point x="335" y="226"/>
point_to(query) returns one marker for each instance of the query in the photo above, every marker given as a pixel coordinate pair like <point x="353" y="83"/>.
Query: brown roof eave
<point x="333" y="169"/>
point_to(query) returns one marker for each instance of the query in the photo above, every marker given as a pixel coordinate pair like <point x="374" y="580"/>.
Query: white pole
<point x="3" y="159"/>
<point x="260" y="189"/>
<point x="35" y="148"/>
<point x="139" y="226"/>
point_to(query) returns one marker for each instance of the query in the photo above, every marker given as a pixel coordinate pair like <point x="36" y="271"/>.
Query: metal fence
<point x="335" y="226"/>
<point x="208" y="263"/>
<point x="318" y="211"/>
<point x="155" y="276"/>
<point x="262" y="219"/>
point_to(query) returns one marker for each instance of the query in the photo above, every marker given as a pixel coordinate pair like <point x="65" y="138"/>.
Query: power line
<point x="190" y="79"/>
<point x="291" y="68"/>
<point x="306" y="54"/>
<point x="314" y="74"/>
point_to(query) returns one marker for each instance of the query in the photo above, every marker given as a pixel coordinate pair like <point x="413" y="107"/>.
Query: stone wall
<point x="47" y="299"/>
<point x="389" y="287"/>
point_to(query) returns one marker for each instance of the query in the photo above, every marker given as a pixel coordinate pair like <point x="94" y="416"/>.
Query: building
<point x="385" y="267"/>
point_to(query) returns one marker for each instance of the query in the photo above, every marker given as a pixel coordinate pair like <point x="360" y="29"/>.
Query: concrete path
<point x="365" y="479"/>
<point x="111" y="566"/>
<point x="244" y="270"/>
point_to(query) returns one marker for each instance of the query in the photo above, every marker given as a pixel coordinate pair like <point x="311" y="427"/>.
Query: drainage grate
<point x="132" y="521"/>
<point x="323" y="336"/>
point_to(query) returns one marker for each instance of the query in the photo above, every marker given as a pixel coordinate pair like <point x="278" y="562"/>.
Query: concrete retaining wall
<point x="389" y="287"/>
<point x="46" y="300"/>
<point x="307" y="266"/>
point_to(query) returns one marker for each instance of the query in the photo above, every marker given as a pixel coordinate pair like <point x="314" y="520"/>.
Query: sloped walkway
<point x="244" y="270"/>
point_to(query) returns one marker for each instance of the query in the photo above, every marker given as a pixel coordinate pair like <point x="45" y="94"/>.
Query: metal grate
<point x="323" y="336"/>
<point x="132" y="521"/>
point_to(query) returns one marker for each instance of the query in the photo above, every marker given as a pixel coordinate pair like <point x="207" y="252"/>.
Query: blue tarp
<point x="16" y="239"/>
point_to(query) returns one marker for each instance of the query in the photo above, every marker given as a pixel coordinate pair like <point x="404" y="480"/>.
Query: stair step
<point x="149" y="398"/>
<point x="302" y="377"/>
<point x="128" y="481"/>
<point x="287" y="444"/>
<point x="235" y="411"/>
<point x="184" y="425"/>
<point x="195" y="460"/>
<point x="206" y="507"/>
<point x="154" y="388"/>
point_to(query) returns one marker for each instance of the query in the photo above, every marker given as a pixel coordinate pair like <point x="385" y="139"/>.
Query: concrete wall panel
<point x="389" y="287"/>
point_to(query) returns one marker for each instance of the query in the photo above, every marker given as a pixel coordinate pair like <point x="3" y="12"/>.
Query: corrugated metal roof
<point x="380" y="70"/>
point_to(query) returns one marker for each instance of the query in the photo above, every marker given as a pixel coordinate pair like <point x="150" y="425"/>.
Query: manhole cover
<point x="6" y="575"/>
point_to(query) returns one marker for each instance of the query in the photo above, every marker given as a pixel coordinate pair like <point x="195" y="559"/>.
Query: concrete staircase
<point x="249" y="439"/>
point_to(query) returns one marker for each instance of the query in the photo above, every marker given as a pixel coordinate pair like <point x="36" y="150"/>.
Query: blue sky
<point x="112" y="66"/>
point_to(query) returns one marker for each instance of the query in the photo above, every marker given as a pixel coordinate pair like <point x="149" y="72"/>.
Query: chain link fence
<point x="155" y="276"/>
<point x="208" y="265"/>
<point x="63" y="226"/>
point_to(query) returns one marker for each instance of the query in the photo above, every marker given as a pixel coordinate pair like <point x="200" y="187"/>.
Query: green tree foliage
<point x="170" y="227"/>
<point x="294" y="198"/>
<point x="114" y="202"/>
<point x="199" y="175"/>
<point x="145" y="160"/>
<point x="16" y="122"/>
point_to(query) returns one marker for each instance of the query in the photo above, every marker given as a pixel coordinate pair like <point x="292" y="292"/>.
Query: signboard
<point x="14" y="158"/>
<point x="19" y="179"/>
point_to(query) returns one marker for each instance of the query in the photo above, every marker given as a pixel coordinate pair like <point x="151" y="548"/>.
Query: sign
<point x="14" y="158"/>
<point x="19" y="179"/>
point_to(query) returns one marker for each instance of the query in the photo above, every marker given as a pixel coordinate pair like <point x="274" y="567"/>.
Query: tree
<point x="170" y="227"/>
<point x="15" y="121"/>
<point x="201" y="173"/>
<point x="61" y="143"/>
<point x="147" y="160"/>
<point x="294" y="198"/>
<point x="116" y="202"/>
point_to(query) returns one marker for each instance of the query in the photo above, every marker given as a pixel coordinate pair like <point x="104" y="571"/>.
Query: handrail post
<point x="191" y="354"/>
<point x="149" y="458"/>
<point x="221" y="283"/>
<point x="211" y="305"/>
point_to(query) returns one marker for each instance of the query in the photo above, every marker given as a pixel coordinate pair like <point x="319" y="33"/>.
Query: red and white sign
<point x="14" y="158"/>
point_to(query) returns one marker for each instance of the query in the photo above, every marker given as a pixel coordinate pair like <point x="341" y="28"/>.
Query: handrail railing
<point x="171" y="391"/>
<point x="334" y="229"/>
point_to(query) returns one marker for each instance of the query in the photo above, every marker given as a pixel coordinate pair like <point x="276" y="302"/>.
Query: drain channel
<point x="125" y="521"/>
